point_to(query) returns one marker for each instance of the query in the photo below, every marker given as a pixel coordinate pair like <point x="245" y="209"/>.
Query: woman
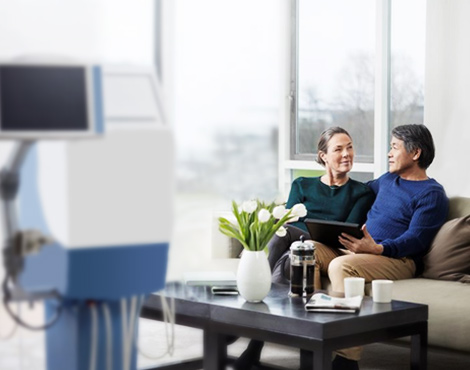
<point x="333" y="196"/>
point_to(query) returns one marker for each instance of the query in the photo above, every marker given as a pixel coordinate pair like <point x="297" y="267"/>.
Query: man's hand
<point x="364" y="245"/>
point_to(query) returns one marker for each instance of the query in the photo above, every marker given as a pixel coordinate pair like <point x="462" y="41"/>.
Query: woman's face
<point x="339" y="155"/>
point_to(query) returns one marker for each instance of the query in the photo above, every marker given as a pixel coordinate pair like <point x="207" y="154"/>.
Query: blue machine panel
<point x="97" y="273"/>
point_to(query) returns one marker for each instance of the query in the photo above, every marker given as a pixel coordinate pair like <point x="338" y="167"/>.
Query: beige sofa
<point x="448" y="301"/>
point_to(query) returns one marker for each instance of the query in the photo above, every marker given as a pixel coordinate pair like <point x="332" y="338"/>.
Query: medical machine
<point x="87" y="204"/>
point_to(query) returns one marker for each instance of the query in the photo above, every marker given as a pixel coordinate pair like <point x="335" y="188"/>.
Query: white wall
<point x="50" y="27"/>
<point x="118" y="31"/>
<point x="447" y="87"/>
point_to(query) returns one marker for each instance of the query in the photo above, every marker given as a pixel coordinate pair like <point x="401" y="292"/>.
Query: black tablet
<point x="327" y="232"/>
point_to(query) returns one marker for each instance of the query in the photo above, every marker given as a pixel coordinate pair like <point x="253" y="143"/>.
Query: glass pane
<point x="226" y="102"/>
<point x="226" y="98"/>
<point x="336" y="73"/>
<point x="407" y="62"/>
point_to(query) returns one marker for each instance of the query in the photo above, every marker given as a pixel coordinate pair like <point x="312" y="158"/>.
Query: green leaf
<point x="252" y="239"/>
<point x="266" y="233"/>
<point x="266" y="250"/>
<point x="228" y="231"/>
<point x="236" y="213"/>
<point x="233" y="233"/>
<point x="223" y="220"/>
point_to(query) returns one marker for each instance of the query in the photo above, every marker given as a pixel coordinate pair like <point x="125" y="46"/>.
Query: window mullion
<point x="288" y="117"/>
<point x="294" y="75"/>
<point x="382" y="87"/>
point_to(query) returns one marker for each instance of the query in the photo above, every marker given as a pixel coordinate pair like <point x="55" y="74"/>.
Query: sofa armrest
<point x="458" y="207"/>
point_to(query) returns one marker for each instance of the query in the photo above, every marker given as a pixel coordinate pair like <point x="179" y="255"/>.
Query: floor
<point x="25" y="351"/>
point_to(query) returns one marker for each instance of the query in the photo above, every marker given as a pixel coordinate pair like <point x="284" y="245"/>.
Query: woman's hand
<point x="364" y="245"/>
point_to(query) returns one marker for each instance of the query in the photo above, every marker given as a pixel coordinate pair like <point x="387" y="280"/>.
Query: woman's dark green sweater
<point x="347" y="203"/>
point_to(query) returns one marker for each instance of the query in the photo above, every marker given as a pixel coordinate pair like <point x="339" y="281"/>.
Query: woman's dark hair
<point x="417" y="137"/>
<point x="325" y="137"/>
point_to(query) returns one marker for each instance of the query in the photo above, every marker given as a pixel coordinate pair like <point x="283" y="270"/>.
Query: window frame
<point x="288" y="160"/>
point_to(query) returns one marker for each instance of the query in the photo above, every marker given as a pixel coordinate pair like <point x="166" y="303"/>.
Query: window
<point x="226" y="98"/>
<point x="227" y="86"/>
<point x="355" y="64"/>
<point x="336" y="73"/>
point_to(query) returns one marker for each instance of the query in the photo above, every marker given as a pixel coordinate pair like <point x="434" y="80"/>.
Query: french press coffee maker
<point x="302" y="267"/>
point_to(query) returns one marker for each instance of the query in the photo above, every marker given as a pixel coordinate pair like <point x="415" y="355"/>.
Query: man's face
<point x="399" y="160"/>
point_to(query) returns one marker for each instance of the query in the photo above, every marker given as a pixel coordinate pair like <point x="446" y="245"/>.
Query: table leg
<point x="322" y="360"/>
<point x="215" y="350"/>
<point x="419" y="348"/>
<point x="306" y="360"/>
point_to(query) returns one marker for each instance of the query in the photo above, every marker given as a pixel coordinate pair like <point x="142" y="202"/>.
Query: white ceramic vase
<point x="254" y="276"/>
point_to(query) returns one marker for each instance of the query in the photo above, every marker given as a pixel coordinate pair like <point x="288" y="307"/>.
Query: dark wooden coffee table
<point x="281" y="319"/>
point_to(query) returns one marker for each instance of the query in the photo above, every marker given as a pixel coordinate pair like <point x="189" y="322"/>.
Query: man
<point x="408" y="211"/>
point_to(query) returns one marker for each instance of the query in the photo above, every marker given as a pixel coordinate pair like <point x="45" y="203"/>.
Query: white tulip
<point x="281" y="232"/>
<point x="249" y="206"/>
<point x="293" y="218"/>
<point x="264" y="215"/>
<point x="279" y="212"/>
<point x="280" y="199"/>
<point x="299" y="210"/>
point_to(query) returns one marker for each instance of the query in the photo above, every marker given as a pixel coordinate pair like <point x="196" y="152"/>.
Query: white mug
<point x="382" y="291"/>
<point x="353" y="286"/>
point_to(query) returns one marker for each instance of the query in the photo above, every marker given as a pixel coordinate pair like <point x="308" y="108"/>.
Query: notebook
<point x="327" y="232"/>
<point x="211" y="278"/>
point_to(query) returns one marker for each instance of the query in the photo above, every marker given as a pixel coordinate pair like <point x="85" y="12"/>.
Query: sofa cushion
<point x="448" y="309"/>
<point x="448" y="257"/>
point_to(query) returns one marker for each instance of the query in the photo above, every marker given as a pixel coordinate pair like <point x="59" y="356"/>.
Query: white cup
<point x="353" y="286"/>
<point x="382" y="291"/>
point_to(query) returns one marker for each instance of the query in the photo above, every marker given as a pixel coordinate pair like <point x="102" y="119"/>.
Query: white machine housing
<point x="118" y="188"/>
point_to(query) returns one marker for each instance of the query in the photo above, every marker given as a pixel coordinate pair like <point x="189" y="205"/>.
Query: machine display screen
<point x="38" y="98"/>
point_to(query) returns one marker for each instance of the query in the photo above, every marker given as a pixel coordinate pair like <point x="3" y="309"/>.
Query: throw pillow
<point x="449" y="255"/>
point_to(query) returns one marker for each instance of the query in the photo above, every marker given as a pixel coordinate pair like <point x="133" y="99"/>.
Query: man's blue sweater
<point x="406" y="215"/>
